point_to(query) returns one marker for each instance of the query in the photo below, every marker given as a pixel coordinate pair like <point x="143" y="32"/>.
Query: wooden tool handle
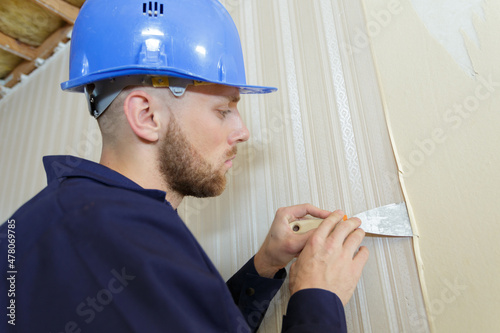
<point x="303" y="226"/>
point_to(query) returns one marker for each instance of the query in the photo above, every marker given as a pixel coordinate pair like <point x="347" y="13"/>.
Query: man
<point x="102" y="249"/>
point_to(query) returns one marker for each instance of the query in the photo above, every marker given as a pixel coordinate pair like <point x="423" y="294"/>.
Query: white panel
<point x="449" y="21"/>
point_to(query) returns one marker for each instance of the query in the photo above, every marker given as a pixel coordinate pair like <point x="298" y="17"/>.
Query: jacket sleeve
<point x="314" y="311"/>
<point x="253" y="293"/>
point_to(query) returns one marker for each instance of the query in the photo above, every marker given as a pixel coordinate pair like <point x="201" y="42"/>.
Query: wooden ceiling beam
<point x="31" y="54"/>
<point x="42" y="52"/>
<point x="47" y="47"/>
<point x="61" y="8"/>
<point x="16" y="47"/>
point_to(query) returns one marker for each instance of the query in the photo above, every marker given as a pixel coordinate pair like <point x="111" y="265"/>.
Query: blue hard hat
<point x="190" y="39"/>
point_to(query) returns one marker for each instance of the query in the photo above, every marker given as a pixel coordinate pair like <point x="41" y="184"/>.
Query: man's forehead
<point x="225" y="93"/>
<point x="232" y="94"/>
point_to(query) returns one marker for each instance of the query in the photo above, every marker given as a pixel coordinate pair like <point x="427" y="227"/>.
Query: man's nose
<point x="240" y="134"/>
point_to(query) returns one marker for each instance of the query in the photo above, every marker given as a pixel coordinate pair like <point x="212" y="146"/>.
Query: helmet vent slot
<point x="152" y="9"/>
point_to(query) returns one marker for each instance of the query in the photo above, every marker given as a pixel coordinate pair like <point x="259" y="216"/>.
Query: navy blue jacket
<point x="95" y="252"/>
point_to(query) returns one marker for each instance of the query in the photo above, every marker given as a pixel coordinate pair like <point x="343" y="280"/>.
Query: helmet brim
<point x="78" y="84"/>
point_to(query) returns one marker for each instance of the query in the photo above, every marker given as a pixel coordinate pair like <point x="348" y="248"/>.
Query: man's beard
<point x="185" y="170"/>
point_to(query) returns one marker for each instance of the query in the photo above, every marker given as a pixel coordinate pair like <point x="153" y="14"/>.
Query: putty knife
<point x="388" y="220"/>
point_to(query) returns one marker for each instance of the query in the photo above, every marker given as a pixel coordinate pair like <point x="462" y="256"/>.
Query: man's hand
<point x="329" y="259"/>
<point x="282" y="244"/>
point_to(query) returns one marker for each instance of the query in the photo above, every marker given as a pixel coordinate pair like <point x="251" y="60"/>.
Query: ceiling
<point x="30" y="30"/>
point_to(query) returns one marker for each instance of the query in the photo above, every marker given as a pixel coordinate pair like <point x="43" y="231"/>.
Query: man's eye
<point x="224" y="113"/>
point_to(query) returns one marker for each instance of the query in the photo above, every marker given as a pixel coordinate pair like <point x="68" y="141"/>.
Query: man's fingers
<point x="317" y="212"/>
<point x="353" y="240"/>
<point x="344" y="229"/>
<point x="299" y="211"/>
<point x="329" y="223"/>
<point x="361" y="258"/>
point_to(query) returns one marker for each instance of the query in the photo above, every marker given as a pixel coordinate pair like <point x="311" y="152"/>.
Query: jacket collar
<point x="65" y="166"/>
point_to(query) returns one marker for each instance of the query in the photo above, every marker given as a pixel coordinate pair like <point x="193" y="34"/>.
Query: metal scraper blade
<point x="388" y="220"/>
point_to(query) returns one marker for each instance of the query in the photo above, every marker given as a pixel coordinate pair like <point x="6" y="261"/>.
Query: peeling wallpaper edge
<point x="414" y="225"/>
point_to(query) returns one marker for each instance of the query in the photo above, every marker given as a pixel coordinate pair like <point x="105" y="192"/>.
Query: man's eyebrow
<point x="233" y="98"/>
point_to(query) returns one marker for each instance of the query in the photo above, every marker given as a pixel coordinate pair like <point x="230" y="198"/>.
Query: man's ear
<point x="143" y="118"/>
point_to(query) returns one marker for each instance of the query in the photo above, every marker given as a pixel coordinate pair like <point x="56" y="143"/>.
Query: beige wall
<point x="444" y="123"/>
<point x="321" y="139"/>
